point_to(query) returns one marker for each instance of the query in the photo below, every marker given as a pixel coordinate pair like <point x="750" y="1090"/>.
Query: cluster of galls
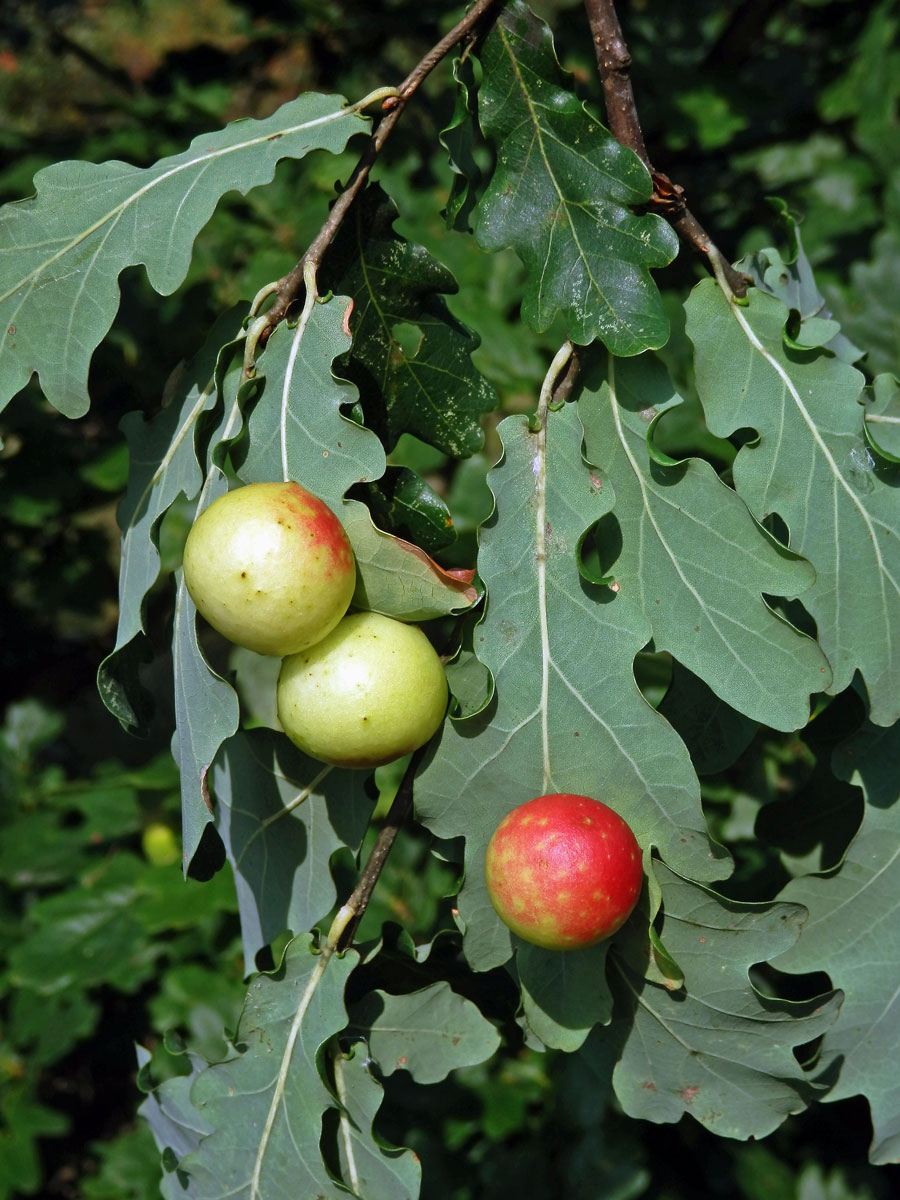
<point x="270" y="567"/>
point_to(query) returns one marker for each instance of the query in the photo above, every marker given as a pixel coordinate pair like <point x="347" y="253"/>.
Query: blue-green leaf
<point x="717" y="1048"/>
<point x="852" y="933"/>
<point x="693" y="558"/>
<point x="811" y="466"/>
<point x="265" y="1105"/>
<point x="165" y="462"/>
<point x="62" y="251"/>
<point x="566" y="715"/>
<point x="281" y="817"/>
<point x="428" y="1033"/>
<point x="371" y="1167"/>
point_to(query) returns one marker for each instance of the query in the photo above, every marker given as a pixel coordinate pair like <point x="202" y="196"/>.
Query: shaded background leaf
<point x="715" y="733"/>
<point x="410" y="358"/>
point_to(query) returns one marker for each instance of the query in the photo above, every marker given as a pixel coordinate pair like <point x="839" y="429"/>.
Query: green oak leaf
<point x="428" y="1033"/>
<point x="564" y="994"/>
<point x="402" y="503"/>
<point x="792" y="281"/>
<point x="566" y="715"/>
<point x="852" y="934"/>
<point x="265" y="1105"/>
<point x="882" y="419"/>
<point x="207" y="710"/>
<point x="175" y="1123"/>
<point x="165" y="455"/>
<point x="398" y="578"/>
<point x="459" y="138"/>
<point x="281" y="817"/>
<point x="693" y="558"/>
<point x="810" y="465"/>
<point x="296" y="429"/>
<point x="562" y="195"/>
<point x="371" y="1167"/>
<point x="717" y="1048"/>
<point x="62" y="251"/>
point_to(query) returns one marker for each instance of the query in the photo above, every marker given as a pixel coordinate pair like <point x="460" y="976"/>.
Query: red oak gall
<point x="563" y="871"/>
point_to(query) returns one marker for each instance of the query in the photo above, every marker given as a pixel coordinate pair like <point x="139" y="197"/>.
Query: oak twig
<point x="397" y="814"/>
<point x="292" y="284"/>
<point x="614" y="64"/>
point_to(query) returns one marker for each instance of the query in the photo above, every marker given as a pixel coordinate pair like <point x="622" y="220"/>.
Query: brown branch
<point x="399" y="811"/>
<point x="614" y="64"/>
<point x="291" y="285"/>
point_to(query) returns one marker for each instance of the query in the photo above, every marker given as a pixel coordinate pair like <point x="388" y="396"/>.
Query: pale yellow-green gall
<point x="370" y="692"/>
<point x="270" y="567"/>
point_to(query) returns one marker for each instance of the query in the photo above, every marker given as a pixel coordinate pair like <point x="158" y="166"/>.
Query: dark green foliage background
<point x="101" y="947"/>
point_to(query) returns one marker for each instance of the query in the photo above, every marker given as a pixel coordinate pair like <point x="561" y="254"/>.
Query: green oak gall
<point x="270" y="567"/>
<point x="373" y="690"/>
<point x="563" y="871"/>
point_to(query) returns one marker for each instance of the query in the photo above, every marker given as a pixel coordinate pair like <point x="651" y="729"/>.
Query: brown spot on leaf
<point x="204" y="789"/>
<point x="457" y="578"/>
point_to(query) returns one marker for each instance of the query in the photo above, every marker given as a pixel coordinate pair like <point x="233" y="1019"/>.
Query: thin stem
<point x="356" y="905"/>
<point x="551" y="379"/>
<point x="289" y="287"/>
<point x="267" y="290"/>
<point x="382" y="94"/>
<point x="256" y="330"/>
<point x="614" y="64"/>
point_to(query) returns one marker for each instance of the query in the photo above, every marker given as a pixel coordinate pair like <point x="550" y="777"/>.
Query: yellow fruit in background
<point x="160" y="845"/>
<point x="270" y="567"/>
